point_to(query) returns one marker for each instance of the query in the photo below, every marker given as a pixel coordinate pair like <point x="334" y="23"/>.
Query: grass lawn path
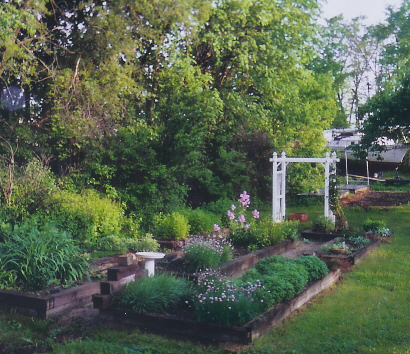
<point x="367" y="312"/>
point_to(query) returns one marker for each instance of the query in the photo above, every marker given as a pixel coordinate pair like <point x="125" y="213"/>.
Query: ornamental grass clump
<point x="155" y="294"/>
<point x="225" y="302"/>
<point x="202" y="253"/>
<point x="35" y="256"/>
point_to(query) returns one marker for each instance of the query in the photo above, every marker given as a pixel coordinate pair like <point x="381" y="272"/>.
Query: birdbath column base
<point x="150" y="258"/>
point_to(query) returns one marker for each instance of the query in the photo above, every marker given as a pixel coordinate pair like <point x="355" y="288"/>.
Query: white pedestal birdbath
<point x="150" y="258"/>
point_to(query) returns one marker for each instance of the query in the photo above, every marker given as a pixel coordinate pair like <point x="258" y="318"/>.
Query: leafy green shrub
<point x="155" y="294"/>
<point x="89" y="216"/>
<point x="33" y="257"/>
<point x="316" y="268"/>
<point x="144" y="244"/>
<point x="172" y="226"/>
<point x="33" y="187"/>
<point x="323" y="224"/>
<point x="287" y="230"/>
<point x="111" y="243"/>
<point x="200" y="221"/>
<point x="205" y="253"/>
<point x="122" y="245"/>
<point x="373" y="225"/>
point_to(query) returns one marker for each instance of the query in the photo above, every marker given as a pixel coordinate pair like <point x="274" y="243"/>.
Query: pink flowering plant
<point x="207" y="252"/>
<point x="242" y="222"/>
<point x="224" y="301"/>
<point x="248" y="229"/>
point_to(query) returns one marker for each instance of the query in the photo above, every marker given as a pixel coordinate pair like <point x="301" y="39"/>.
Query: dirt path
<point x="305" y="248"/>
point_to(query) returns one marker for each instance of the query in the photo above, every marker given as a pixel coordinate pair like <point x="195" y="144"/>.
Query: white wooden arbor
<point x="279" y="182"/>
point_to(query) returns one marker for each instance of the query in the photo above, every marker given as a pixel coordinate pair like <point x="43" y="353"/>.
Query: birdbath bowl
<point x="150" y="258"/>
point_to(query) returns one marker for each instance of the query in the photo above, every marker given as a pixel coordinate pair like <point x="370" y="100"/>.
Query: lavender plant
<point x="202" y="253"/>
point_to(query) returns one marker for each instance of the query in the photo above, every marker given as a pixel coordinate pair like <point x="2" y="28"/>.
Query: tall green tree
<point x="387" y="113"/>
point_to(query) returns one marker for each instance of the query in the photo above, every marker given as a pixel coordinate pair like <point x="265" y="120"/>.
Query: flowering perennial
<point x="223" y="301"/>
<point x="201" y="252"/>
<point x="217" y="244"/>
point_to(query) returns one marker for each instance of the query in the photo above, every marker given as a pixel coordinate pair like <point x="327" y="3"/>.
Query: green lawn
<point x="367" y="312"/>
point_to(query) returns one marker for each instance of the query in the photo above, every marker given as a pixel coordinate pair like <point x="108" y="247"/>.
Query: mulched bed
<point x="367" y="199"/>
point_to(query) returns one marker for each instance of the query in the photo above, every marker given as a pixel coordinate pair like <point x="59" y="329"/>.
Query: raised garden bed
<point x="178" y="326"/>
<point x="46" y="306"/>
<point x="173" y="262"/>
<point x="240" y="265"/>
<point x="181" y="325"/>
<point x="354" y="257"/>
<point x="55" y="301"/>
<point x="311" y="234"/>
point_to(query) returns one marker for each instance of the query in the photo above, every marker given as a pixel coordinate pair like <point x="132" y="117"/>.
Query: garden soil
<point x="368" y="199"/>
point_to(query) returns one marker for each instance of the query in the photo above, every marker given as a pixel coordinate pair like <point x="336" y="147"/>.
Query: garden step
<point x="125" y="260"/>
<point x="102" y="302"/>
<point x="117" y="273"/>
<point x="113" y="287"/>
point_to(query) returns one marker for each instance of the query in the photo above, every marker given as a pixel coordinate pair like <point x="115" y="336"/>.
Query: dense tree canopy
<point x="164" y="102"/>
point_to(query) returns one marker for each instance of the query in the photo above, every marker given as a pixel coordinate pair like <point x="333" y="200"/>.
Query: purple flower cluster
<point x="216" y="244"/>
<point x="219" y="289"/>
<point x="244" y="199"/>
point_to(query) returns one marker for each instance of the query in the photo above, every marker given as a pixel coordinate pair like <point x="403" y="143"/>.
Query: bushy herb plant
<point x="377" y="227"/>
<point x="282" y="278"/>
<point x="202" y="253"/>
<point x="122" y="245"/>
<point x="155" y="294"/>
<point x="34" y="257"/>
<point x="316" y="268"/>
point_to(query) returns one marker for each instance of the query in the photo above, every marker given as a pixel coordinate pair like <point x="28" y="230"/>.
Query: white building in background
<point x="343" y="140"/>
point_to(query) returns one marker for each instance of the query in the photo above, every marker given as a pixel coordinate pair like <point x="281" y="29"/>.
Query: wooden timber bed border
<point x="208" y="332"/>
